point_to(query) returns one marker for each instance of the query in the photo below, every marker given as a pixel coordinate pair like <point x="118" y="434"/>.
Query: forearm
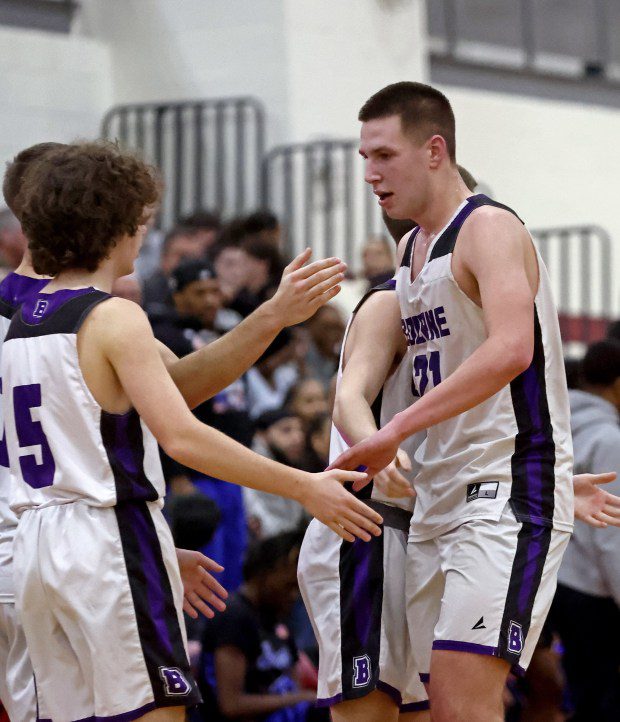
<point x="210" y="452"/>
<point x="490" y="368"/>
<point x="244" y="705"/>
<point x="204" y="373"/>
<point x="353" y="417"/>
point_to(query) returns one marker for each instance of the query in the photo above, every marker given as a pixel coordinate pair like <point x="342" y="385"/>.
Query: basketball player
<point x="97" y="583"/>
<point x="494" y="505"/>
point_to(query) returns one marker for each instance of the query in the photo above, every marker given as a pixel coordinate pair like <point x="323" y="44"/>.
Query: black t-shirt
<point x="266" y="644"/>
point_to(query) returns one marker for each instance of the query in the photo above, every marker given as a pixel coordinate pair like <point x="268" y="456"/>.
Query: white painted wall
<point x="556" y="163"/>
<point x="52" y="87"/>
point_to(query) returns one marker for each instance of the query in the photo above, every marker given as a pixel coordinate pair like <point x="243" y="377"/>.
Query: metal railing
<point x="209" y="151"/>
<point x="318" y="191"/>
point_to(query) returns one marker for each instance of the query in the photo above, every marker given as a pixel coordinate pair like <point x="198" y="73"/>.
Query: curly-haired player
<point x="98" y="583"/>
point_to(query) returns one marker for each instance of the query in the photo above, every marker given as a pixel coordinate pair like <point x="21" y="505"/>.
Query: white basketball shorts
<point x="100" y="599"/>
<point x="484" y="587"/>
<point x="16" y="676"/>
<point x="355" y="597"/>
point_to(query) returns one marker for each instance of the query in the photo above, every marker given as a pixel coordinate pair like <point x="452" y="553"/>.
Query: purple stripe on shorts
<point x="425" y="677"/>
<point x="327" y="701"/>
<point x="451" y="645"/>
<point x="415" y="706"/>
<point x="391" y="691"/>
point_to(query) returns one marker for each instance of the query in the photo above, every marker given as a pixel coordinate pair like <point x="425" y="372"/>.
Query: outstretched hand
<point x="200" y="589"/>
<point x="371" y="455"/>
<point x="593" y="505"/>
<point x="391" y="481"/>
<point x="304" y="289"/>
<point x="327" y="500"/>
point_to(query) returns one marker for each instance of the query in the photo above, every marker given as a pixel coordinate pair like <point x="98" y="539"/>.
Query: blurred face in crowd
<point x="12" y="240"/>
<point x="377" y="258"/>
<point x="268" y="365"/>
<point x="201" y="299"/>
<point x="278" y="588"/>
<point x="309" y="400"/>
<point x="230" y="268"/>
<point x="319" y="441"/>
<point x="180" y="248"/>
<point x="396" y="166"/>
<point x="256" y="272"/>
<point x="286" y="437"/>
<point x="327" y="329"/>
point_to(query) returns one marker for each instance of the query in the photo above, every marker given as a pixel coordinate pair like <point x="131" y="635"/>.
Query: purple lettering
<point x="361" y="671"/>
<point x="433" y="331"/>
<point x="441" y="321"/>
<point x="175" y="683"/>
<point x="38" y="469"/>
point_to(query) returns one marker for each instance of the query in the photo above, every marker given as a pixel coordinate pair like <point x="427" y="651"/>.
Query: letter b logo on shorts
<point x="361" y="671"/>
<point x="174" y="681"/>
<point x="515" y="638"/>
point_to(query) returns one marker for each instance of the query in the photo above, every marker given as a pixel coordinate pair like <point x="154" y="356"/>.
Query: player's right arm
<point x="122" y="338"/>
<point x="373" y="342"/>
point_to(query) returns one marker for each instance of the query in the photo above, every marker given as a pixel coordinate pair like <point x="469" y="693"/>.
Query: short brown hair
<point x="423" y="111"/>
<point x="79" y="200"/>
<point x="16" y="170"/>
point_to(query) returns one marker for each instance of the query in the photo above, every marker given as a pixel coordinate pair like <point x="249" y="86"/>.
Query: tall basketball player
<point x="494" y="505"/>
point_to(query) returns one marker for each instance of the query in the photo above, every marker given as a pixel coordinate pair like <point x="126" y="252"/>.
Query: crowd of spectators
<point x="258" y="659"/>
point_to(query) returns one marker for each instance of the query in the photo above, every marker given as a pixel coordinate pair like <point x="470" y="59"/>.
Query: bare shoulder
<point x="380" y="305"/>
<point x="492" y="221"/>
<point x="116" y="317"/>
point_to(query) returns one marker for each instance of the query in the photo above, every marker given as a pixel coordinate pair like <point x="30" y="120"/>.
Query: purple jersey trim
<point x="40" y="305"/>
<point x="15" y="288"/>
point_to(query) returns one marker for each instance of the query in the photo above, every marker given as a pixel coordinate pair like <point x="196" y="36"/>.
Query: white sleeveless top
<point x="515" y="447"/>
<point x="395" y="396"/>
<point x="14" y="289"/>
<point x="62" y="445"/>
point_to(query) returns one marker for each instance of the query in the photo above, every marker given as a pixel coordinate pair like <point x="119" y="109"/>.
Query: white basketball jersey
<point x="14" y="289"/>
<point x="62" y="445"/>
<point x="394" y="397"/>
<point x="514" y="447"/>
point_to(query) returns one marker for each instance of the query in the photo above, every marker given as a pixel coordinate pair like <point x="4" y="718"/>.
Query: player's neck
<point x="446" y="197"/>
<point x="25" y="268"/>
<point x="75" y="278"/>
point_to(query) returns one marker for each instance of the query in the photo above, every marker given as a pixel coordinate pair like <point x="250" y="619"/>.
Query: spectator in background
<point x="179" y="244"/>
<point x="280" y="436"/>
<point x="263" y="270"/>
<point x="586" y="608"/>
<point x="248" y="652"/>
<point x="265" y="225"/>
<point x="205" y="225"/>
<point x="378" y="261"/>
<point x="308" y="399"/>
<point x="12" y="240"/>
<point x="273" y="375"/>
<point x="326" y="332"/>
<point x="318" y="436"/>
<point x="229" y="261"/>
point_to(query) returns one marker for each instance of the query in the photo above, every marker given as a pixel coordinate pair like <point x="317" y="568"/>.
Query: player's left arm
<point x="492" y="250"/>
<point x="302" y="290"/>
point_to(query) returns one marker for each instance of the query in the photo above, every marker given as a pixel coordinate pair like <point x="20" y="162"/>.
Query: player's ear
<point x="437" y="150"/>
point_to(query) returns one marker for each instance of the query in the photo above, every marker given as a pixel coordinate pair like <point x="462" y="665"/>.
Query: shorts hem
<point x="471" y="648"/>
<point x="128" y="716"/>
<point x="380" y="686"/>
<point x="415" y="706"/>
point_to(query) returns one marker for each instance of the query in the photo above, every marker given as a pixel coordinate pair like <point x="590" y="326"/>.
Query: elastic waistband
<point x="393" y="516"/>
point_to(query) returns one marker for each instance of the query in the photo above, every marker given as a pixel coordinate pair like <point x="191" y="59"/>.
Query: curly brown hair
<point x="77" y="202"/>
<point x="16" y="170"/>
